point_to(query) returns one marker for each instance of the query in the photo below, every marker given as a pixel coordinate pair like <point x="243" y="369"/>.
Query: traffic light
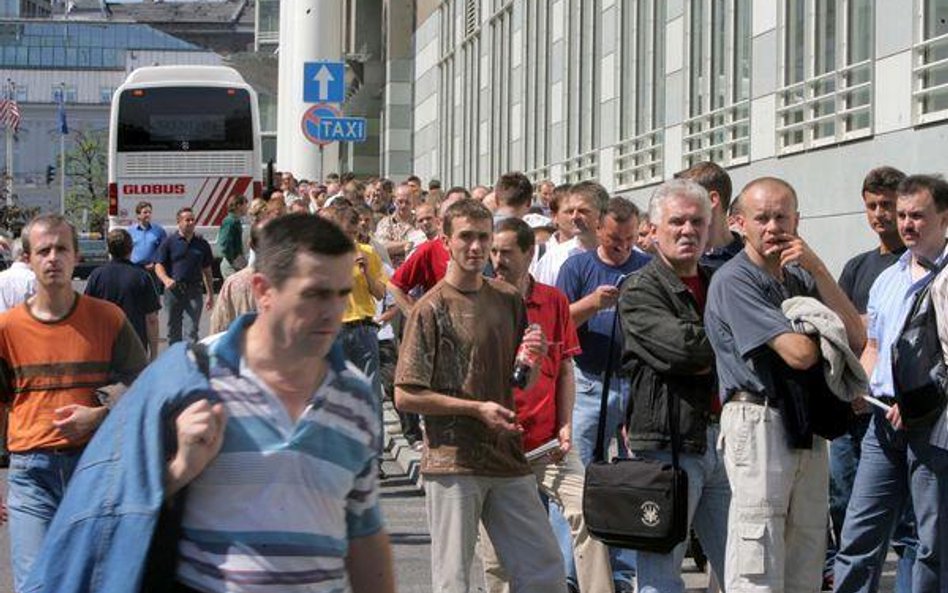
<point x="50" y="174"/>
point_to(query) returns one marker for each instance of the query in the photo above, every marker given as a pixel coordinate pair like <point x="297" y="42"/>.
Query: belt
<point x="746" y="397"/>
<point x="365" y="321"/>
<point x="52" y="450"/>
<point x="886" y="399"/>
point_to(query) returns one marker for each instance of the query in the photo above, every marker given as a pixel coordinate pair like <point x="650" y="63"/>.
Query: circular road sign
<point x="311" y="119"/>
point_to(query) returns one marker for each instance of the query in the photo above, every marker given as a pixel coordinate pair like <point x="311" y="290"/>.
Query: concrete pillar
<point x="310" y="30"/>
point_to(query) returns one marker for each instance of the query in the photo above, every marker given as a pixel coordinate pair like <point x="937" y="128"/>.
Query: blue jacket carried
<point x="100" y="537"/>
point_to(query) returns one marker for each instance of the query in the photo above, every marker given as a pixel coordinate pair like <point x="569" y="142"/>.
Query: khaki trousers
<point x="776" y="536"/>
<point x="562" y="483"/>
<point x="511" y="512"/>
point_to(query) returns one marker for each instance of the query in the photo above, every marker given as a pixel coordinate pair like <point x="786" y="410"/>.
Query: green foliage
<point x="87" y="171"/>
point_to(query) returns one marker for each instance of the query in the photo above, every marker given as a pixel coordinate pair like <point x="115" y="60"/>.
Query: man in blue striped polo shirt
<point x="282" y="493"/>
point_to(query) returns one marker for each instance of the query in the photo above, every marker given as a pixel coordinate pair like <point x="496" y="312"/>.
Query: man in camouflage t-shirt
<point x="454" y="368"/>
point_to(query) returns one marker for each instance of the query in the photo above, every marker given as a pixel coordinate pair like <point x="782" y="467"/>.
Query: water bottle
<point x="524" y="363"/>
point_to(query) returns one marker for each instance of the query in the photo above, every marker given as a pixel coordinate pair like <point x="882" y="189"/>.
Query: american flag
<point x="10" y="113"/>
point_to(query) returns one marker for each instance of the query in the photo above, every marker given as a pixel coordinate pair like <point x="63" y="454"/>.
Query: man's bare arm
<point x="797" y="350"/>
<point x="432" y="403"/>
<point x="369" y="564"/>
<point x="404" y="302"/>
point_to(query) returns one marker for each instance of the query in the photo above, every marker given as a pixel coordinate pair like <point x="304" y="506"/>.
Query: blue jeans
<point x="360" y="344"/>
<point x="895" y="467"/>
<point x="709" y="498"/>
<point x="35" y="486"/>
<point x="184" y="301"/>
<point x="585" y="428"/>
<point x="845" y="452"/>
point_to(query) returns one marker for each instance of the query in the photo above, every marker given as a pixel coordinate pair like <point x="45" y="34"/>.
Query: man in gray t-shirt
<point x="777" y="524"/>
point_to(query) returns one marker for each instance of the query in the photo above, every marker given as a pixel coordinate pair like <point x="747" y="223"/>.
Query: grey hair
<point x="677" y="188"/>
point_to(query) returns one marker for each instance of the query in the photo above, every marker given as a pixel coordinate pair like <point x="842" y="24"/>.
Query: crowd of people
<point x="251" y="459"/>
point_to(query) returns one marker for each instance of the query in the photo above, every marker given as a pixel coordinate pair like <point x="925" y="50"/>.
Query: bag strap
<point x="674" y="418"/>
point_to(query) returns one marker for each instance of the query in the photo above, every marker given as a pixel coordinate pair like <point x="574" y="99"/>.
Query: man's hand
<point x="534" y="342"/>
<point x="860" y="406"/>
<point x="75" y="422"/>
<point x="200" y="430"/>
<point x="606" y="296"/>
<point x="894" y="416"/>
<point x="565" y="437"/>
<point x="795" y="250"/>
<point x="499" y="418"/>
<point x="169" y="283"/>
<point x="360" y="261"/>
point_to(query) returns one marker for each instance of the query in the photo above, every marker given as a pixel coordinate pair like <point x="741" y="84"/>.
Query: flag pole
<point x="8" y="178"/>
<point x="62" y="152"/>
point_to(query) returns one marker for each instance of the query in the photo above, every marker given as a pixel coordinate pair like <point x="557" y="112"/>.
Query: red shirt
<point x="425" y="268"/>
<point x="698" y="288"/>
<point x="536" y="408"/>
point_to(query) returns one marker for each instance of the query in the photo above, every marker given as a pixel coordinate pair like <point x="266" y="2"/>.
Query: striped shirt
<point x="277" y="507"/>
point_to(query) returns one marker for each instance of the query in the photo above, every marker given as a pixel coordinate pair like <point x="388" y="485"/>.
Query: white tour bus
<point x="183" y="136"/>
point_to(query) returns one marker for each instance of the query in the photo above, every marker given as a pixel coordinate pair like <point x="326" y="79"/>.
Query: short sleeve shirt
<point x="743" y="313"/>
<point x="184" y="260"/>
<point x="129" y="287"/>
<point x="463" y="344"/>
<point x="425" y="268"/>
<point x="861" y="271"/>
<point x="580" y="275"/>
<point x="536" y="408"/>
<point x="361" y="302"/>
<point x="145" y="242"/>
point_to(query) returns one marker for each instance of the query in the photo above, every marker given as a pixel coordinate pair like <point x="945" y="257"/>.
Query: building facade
<point x="627" y="92"/>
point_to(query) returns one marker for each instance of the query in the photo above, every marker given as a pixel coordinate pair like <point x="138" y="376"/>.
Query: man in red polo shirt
<point x="545" y="411"/>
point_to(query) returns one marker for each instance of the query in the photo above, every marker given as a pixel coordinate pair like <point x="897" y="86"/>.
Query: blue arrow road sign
<point x="324" y="82"/>
<point x="342" y="129"/>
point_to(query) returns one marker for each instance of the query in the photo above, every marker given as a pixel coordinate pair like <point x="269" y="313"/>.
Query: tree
<point x="87" y="168"/>
<point x="13" y="216"/>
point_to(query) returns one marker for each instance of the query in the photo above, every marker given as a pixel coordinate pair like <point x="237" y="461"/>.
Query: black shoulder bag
<point x="918" y="364"/>
<point x="640" y="504"/>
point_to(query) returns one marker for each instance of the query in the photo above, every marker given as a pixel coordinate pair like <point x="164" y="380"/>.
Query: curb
<point x="397" y="445"/>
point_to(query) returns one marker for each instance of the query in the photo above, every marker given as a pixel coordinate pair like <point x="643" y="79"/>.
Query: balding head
<point x="768" y="186"/>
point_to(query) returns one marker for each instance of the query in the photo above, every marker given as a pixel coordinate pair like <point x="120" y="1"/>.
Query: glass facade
<point x="79" y="45"/>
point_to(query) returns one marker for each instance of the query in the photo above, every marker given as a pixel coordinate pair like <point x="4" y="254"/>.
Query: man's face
<point x="682" y="232"/>
<point x="144" y="216"/>
<point x="618" y="238"/>
<point x="186" y="222"/>
<point x="469" y="243"/>
<point x="769" y="218"/>
<point x="921" y="226"/>
<point x="365" y="224"/>
<point x="644" y="240"/>
<point x="427" y="221"/>
<point x="479" y="192"/>
<point x="510" y="263"/>
<point x="287" y="183"/>
<point x="546" y="193"/>
<point x="583" y="217"/>
<point x="880" y="212"/>
<point x="564" y="224"/>
<point x="305" y="314"/>
<point x="402" y="201"/>
<point x="52" y="256"/>
<point x="414" y="187"/>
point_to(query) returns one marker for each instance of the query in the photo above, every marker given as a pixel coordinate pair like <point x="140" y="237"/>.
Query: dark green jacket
<point x="230" y="239"/>
<point x="666" y="354"/>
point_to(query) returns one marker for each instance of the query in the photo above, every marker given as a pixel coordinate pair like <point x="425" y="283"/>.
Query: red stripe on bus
<point x="239" y="189"/>
<point x="207" y="217"/>
<point x="203" y="205"/>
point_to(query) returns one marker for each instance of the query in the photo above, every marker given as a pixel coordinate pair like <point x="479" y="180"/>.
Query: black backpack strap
<point x="599" y="453"/>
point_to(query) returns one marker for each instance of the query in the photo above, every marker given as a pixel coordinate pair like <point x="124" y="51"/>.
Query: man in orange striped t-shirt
<point x="56" y="349"/>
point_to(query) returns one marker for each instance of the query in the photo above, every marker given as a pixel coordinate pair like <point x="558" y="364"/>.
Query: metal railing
<point x="722" y="136"/>
<point x="827" y="109"/>
<point x="930" y="80"/>
<point x="640" y="160"/>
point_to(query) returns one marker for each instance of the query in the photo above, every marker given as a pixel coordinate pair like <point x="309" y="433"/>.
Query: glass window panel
<point x="697" y="56"/>
<point x="860" y="33"/>
<point x="46" y="56"/>
<point x="718" y="35"/>
<point x="794" y="44"/>
<point x="936" y="19"/>
<point x="742" y="49"/>
<point x="824" y="43"/>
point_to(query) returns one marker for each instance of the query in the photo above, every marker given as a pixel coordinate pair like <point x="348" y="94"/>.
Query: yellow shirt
<point x="361" y="302"/>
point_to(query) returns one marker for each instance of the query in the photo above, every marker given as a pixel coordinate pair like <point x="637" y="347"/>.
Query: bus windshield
<point x="184" y="119"/>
